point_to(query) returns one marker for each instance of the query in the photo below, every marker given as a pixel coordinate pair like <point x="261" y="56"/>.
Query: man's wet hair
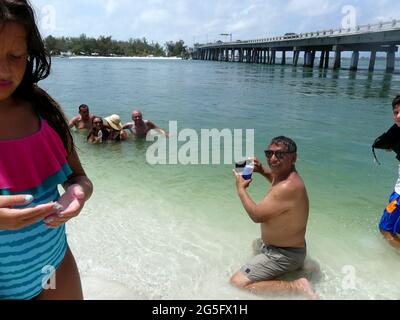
<point x="289" y="143"/>
<point x="396" y="101"/>
<point x="83" y="106"/>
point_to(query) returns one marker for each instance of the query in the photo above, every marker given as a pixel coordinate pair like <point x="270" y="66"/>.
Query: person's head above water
<point x="281" y="154"/>
<point x="114" y="122"/>
<point x="84" y="111"/>
<point x="137" y="116"/>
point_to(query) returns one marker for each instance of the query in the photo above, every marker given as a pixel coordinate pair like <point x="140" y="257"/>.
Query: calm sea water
<point x="179" y="232"/>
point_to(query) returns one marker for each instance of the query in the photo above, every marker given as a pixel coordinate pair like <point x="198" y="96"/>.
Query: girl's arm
<point x="78" y="176"/>
<point x="78" y="189"/>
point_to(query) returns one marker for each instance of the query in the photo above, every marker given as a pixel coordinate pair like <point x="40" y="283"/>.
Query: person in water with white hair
<point x="140" y="128"/>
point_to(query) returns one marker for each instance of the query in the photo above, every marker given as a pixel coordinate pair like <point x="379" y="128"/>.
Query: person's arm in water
<point x="127" y="126"/>
<point x="261" y="170"/>
<point x="78" y="189"/>
<point x="277" y="201"/>
<point x="153" y="126"/>
<point x="73" y="122"/>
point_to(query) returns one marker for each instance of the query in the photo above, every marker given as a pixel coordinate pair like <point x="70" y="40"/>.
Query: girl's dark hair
<point x="37" y="69"/>
<point x="396" y="101"/>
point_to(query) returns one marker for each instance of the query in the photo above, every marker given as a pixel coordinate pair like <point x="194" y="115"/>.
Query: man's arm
<point x="72" y="122"/>
<point x="153" y="126"/>
<point x="277" y="201"/>
<point x="127" y="126"/>
<point x="261" y="170"/>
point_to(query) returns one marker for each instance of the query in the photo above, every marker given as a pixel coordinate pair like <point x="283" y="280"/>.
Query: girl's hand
<point x="16" y="219"/>
<point x="71" y="202"/>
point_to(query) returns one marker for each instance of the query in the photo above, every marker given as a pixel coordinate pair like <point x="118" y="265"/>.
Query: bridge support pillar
<point x="283" y="58"/>
<point x="296" y="55"/>
<point x="372" y="60"/>
<point x="321" y="60"/>
<point x="309" y="59"/>
<point x="312" y="58"/>
<point x="354" y="61"/>
<point x="338" y="58"/>
<point x="390" y="60"/>
<point x="273" y="56"/>
<point x="269" y="56"/>
<point x="326" y="59"/>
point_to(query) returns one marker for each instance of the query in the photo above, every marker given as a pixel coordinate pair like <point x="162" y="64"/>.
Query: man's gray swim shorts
<point x="272" y="262"/>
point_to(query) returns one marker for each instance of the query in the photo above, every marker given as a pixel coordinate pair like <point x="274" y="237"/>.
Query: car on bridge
<point x="290" y="35"/>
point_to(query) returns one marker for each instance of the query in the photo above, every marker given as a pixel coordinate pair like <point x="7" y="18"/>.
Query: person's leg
<point x="300" y="286"/>
<point x="389" y="225"/>
<point x="67" y="282"/>
<point x="394" y="241"/>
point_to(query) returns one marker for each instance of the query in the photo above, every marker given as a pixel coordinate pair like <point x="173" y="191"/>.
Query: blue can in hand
<point x="248" y="171"/>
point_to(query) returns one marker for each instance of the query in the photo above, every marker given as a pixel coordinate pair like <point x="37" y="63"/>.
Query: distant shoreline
<point x="120" y="58"/>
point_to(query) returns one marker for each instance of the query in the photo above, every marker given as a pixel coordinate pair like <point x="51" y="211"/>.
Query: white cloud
<point x="110" y="6"/>
<point x="310" y="7"/>
<point x="154" y="16"/>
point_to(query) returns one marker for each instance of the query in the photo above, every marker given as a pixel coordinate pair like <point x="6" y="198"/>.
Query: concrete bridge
<point x="373" y="38"/>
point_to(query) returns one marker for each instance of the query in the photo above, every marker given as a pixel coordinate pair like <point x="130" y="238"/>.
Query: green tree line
<point x="106" y="46"/>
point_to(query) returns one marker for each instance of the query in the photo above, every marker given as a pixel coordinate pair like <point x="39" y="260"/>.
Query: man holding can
<point x="283" y="216"/>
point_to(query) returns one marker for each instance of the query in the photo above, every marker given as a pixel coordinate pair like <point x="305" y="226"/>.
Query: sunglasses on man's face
<point x="98" y="122"/>
<point x="279" y="154"/>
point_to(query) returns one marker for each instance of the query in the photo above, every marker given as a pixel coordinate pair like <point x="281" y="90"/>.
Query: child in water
<point x="36" y="155"/>
<point x="390" y="221"/>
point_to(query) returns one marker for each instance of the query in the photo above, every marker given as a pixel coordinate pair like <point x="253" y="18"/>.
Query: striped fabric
<point x="34" y="165"/>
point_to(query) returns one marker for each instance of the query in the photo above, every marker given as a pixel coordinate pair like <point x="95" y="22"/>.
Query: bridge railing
<point x="377" y="27"/>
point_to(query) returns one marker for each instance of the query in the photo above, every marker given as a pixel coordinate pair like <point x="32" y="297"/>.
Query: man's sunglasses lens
<point x="278" y="154"/>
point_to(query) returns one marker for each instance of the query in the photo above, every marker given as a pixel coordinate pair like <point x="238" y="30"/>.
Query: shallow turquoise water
<point x="179" y="232"/>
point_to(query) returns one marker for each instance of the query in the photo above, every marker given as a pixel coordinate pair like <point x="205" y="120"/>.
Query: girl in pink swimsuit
<point x="36" y="156"/>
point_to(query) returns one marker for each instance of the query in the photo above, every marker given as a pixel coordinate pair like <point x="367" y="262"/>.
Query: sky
<point x="201" y="21"/>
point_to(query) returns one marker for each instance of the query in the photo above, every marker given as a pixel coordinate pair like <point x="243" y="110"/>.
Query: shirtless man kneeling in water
<point x="283" y="215"/>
